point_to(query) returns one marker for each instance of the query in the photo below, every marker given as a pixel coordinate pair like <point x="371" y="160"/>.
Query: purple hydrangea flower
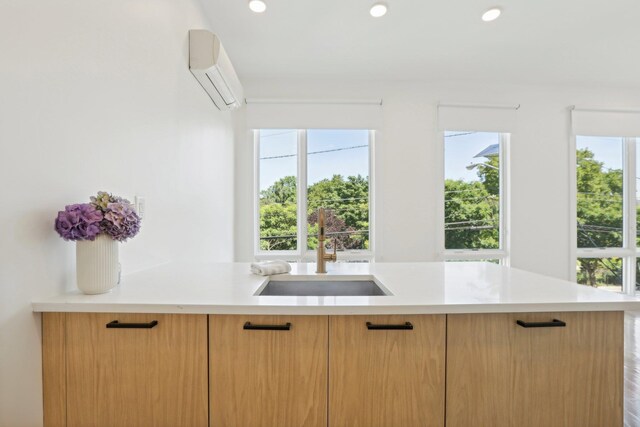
<point x="121" y="221"/>
<point x="106" y="213"/>
<point x="79" y="222"/>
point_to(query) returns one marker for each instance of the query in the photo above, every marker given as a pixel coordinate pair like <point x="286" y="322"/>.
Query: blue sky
<point x="605" y="149"/>
<point x="460" y="147"/>
<point x="346" y="162"/>
<point x="275" y="143"/>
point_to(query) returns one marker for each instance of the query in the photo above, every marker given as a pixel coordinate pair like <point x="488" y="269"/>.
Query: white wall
<point x="409" y="163"/>
<point x="96" y="95"/>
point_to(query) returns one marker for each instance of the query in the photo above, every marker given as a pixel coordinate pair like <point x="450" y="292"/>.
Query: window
<point x="299" y="171"/>
<point x="600" y="192"/>
<point x="474" y="195"/>
<point x="278" y="190"/>
<point x="606" y="206"/>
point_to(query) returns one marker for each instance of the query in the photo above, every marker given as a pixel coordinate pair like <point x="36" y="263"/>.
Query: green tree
<point x="599" y="213"/>
<point x="346" y="201"/>
<point x="278" y="227"/>
<point x="472" y="215"/>
<point x="490" y="175"/>
<point x="282" y="191"/>
<point x="278" y="215"/>
<point x="347" y="204"/>
<point x="599" y="207"/>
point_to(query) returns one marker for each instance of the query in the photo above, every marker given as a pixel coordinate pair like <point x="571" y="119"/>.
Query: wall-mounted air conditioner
<point x="211" y="66"/>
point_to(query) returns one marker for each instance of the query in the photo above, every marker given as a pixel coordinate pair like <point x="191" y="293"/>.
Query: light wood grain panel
<point x="268" y="378"/>
<point x="137" y="377"/>
<point x="53" y="370"/>
<point x="500" y="374"/>
<point x="387" y="378"/>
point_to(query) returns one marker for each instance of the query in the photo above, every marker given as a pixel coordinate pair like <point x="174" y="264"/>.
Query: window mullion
<point x="504" y="196"/>
<point x="256" y="192"/>
<point x="372" y="235"/>
<point x="302" y="193"/>
<point x="630" y="215"/>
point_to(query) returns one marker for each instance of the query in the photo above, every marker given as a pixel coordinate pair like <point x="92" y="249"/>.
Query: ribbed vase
<point x="97" y="265"/>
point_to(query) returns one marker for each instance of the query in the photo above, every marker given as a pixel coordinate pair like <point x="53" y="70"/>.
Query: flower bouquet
<point x="97" y="227"/>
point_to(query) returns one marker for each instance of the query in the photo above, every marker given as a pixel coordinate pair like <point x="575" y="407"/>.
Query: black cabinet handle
<point x="117" y="325"/>
<point x="407" y="326"/>
<point x="553" y="324"/>
<point x="249" y="326"/>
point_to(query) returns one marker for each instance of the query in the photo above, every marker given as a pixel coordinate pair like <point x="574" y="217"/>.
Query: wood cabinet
<point x="268" y="371"/>
<point x="500" y="373"/>
<point x="514" y="369"/>
<point x="151" y="372"/>
<point x="387" y="371"/>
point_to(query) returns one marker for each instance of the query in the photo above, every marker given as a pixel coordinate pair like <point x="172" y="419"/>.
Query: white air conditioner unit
<point x="211" y="66"/>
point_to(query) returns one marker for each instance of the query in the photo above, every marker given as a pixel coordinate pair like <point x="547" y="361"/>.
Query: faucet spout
<point x="322" y="256"/>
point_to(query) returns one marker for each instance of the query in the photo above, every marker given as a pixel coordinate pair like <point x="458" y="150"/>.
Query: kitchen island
<point x="466" y="343"/>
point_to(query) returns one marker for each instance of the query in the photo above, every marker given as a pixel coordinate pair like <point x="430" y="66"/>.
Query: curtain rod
<point x="496" y="106"/>
<point x="604" y="110"/>
<point x="376" y="101"/>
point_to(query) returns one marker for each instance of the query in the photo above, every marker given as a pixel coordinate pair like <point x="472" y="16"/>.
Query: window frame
<point x="502" y="254"/>
<point x="630" y="250"/>
<point x="302" y="254"/>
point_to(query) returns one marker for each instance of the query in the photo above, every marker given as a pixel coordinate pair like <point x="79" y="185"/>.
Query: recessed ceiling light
<point x="491" y="14"/>
<point x="257" y="6"/>
<point x="378" y="10"/>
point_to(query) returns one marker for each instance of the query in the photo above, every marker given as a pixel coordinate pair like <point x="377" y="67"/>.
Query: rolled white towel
<point x="269" y="268"/>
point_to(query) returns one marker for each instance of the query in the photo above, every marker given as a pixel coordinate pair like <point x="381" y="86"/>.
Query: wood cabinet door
<point x="382" y="374"/>
<point x="268" y="371"/>
<point x="136" y="376"/>
<point x="502" y="374"/>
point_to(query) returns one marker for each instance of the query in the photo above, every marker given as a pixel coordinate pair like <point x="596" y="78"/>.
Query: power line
<point x="340" y="200"/>
<point x="490" y="198"/>
<point x="276" y="134"/>
<point x="332" y="233"/>
<point x="315" y="152"/>
<point x="476" y="228"/>
<point x="459" y="134"/>
<point x="348" y="199"/>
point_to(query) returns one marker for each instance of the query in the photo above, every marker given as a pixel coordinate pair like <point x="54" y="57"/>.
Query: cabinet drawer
<point x="535" y="369"/>
<point x="151" y="372"/>
<point x="268" y="371"/>
<point x="387" y="371"/>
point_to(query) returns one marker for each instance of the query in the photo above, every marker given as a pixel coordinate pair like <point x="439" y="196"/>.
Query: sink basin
<point x="322" y="288"/>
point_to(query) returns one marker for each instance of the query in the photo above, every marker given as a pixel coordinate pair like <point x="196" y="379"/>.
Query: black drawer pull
<point x="118" y="325"/>
<point x="553" y="324"/>
<point x="407" y="326"/>
<point x="285" y="327"/>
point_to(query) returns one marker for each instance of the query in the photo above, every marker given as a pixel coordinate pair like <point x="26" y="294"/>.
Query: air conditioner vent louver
<point x="211" y="66"/>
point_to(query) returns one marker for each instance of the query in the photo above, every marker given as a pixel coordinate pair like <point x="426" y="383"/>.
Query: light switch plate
<point x="140" y="206"/>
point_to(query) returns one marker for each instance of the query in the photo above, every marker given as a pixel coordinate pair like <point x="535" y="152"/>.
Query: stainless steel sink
<point x="322" y="288"/>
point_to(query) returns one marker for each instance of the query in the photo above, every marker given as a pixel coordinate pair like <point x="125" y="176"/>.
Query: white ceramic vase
<point x="97" y="265"/>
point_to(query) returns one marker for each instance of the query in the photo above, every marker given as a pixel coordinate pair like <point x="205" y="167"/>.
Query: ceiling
<point x="575" y="42"/>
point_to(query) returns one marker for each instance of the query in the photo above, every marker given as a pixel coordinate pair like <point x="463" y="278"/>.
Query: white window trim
<point x="501" y="254"/>
<point x="302" y="254"/>
<point x="629" y="250"/>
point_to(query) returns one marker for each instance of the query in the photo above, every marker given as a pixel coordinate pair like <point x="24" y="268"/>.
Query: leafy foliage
<point x="472" y="210"/>
<point x="278" y="226"/>
<point x="281" y="192"/>
<point x="347" y="216"/>
<point x="599" y="212"/>
<point x="599" y="205"/>
<point x="471" y="214"/>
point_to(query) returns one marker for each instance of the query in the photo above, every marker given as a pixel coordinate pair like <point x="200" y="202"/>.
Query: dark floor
<point x="632" y="369"/>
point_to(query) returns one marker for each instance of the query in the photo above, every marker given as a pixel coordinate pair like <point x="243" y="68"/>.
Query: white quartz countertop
<point x="415" y="288"/>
